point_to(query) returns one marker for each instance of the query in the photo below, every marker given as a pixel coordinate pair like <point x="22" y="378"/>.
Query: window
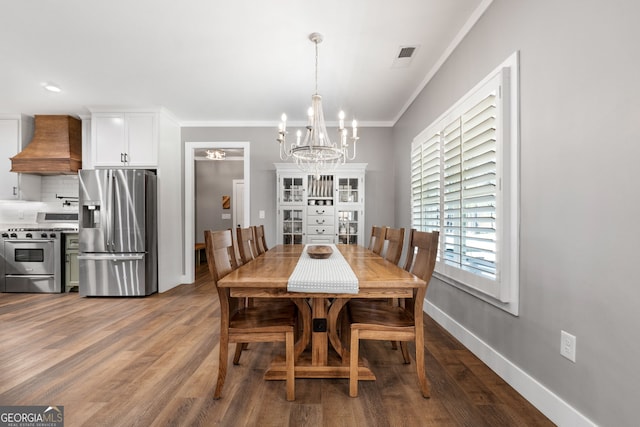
<point x="464" y="183"/>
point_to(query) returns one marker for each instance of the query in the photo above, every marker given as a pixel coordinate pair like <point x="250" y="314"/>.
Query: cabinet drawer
<point x="313" y="230"/>
<point x="320" y="220"/>
<point x="320" y="239"/>
<point x="320" y="210"/>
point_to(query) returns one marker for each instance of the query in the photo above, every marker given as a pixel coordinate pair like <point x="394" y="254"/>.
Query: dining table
<point x="319" y="350"/>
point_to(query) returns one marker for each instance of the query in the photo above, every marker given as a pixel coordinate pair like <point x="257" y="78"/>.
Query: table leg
<point x="334" y="313"/>
<point x="304" y="315"/>
<point x="319" y="350"/>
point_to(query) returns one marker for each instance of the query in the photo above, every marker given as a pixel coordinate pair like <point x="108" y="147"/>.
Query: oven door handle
<point x="133" y="257"/>
<point x="32" y="276"/>
<point x="29" y="241"/>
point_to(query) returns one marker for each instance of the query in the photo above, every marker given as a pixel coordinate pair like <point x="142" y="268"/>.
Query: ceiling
<point x="214" y="62"/>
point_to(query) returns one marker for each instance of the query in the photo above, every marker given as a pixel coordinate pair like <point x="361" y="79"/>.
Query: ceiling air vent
<point x="406" y="52"/>
<point x="404" y="56"/>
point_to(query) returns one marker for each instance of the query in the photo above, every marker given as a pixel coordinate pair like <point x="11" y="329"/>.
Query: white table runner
<point x="331" y="275"/>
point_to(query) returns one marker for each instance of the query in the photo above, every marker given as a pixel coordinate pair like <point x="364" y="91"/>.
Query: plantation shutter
<point x="425" y="185"/>
<point x="464" y="183"/>
<point x="479" y="191"/>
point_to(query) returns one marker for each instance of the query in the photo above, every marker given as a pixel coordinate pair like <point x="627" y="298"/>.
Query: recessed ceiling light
<point x="51" y="87"/>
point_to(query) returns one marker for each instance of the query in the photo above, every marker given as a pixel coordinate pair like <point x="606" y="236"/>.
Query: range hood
<point x="56" y="147"/>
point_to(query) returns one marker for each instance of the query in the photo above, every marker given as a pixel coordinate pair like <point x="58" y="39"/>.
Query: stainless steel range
<point x="32" y="254"/>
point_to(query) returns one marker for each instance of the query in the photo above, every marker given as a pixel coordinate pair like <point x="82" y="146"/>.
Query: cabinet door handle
<point x="15" y="191"/>
<point x="121" y="157"/>
<point x="126" y="158"/>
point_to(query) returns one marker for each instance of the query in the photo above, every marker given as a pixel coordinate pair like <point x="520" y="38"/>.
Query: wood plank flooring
<point x="153" y="361"/>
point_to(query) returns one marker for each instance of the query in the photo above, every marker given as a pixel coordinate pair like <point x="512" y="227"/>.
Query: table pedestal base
<point x="304" y="369"/>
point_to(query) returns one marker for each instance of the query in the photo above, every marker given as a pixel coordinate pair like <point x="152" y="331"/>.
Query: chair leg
<point x="222" y="364"/>
<point x="289" y="360"/>
<point x="422" y="377"/>
<point x="239" y="348"/>
<point x="405" y="352"/>
<point x="353" y="363"/>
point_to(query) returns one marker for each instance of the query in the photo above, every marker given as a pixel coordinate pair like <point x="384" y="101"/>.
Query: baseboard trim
<point x="552" y="406"/>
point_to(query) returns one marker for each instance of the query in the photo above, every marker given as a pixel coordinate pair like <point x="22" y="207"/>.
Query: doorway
<point x="189" y="194"/>
<point x="239" y="220"/>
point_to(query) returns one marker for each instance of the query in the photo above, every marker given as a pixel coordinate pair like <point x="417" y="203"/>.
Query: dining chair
<point x="382" y="321"/>
<point x="246" y="244"/>
<point x="261" y="243"/>
<point x="394" y="241"/>
<point x="377" y="239"/>
<point x="242" y="324"/>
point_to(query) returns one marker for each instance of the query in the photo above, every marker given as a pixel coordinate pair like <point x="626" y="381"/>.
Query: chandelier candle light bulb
<point x="316" y="153"/>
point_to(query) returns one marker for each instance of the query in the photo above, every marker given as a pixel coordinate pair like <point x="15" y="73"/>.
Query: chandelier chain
<point x="316" y="43"/>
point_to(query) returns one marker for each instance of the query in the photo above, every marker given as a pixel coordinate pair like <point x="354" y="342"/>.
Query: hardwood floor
<point x="153" y="361"/>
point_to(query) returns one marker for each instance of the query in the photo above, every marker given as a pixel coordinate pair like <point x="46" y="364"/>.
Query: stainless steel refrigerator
<point x="117" y="233"/>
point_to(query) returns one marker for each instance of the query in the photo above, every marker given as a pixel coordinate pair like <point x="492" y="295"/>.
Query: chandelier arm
<point x="346" y="151"/>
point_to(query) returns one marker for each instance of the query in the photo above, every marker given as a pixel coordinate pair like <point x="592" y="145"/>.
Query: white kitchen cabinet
<point x="16" y="132"/>
<point x="328" y="209"/>
<point x="124" y="139"/>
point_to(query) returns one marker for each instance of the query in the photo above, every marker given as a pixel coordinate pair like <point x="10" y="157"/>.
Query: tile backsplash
<point x="60" y="185"/>
<point x="23" y="212"/>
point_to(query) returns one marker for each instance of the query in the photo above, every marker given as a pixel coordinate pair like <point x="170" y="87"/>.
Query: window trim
<point x="505" y="294"/>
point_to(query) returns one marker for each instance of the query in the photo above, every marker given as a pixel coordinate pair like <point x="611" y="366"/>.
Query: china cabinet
<point x="324" y="209"/>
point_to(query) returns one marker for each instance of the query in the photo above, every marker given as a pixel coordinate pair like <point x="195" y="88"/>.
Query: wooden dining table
<point x="319" y="349"/>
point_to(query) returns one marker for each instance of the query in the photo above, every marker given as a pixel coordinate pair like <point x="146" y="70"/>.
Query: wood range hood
<point x="56" y="147"/>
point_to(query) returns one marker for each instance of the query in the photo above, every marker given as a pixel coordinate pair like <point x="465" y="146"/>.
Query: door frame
<point x="189" y="194"/>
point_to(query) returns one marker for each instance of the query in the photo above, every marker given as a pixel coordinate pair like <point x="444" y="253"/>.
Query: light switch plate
<point x="568" y="345"/>
<point x="261" y="214"/>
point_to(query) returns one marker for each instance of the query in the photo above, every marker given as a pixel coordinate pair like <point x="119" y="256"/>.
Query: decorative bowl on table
<point x="319" y="251"/>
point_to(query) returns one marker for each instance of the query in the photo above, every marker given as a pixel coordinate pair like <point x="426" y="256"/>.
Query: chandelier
<point x="216" y="155"/>
<point x="316" y="153"/>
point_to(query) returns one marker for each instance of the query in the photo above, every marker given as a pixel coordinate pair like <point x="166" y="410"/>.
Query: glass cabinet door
<point x="292" y="226"/>
<point x="348" y="190"/>
<point x="292" y="190"/>
<point x="348" y="226"/>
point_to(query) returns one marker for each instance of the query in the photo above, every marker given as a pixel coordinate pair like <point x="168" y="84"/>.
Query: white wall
<point x="580" y="109"/>
<point x="170" y="213"/>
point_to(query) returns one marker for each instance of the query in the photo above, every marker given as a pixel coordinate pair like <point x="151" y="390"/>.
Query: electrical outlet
<point x="568" y="346"/>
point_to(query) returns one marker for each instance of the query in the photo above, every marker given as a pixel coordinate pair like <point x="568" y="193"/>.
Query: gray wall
<point x="214" y="179"/>
<point x="375" y="148"/>
<point x="579" y="234"/>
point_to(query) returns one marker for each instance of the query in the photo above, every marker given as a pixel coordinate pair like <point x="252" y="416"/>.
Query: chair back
<point x="246" y="244"/>
<point x="261" y="242"/>
<point x="377" y="239"/>
<point x="221" y="260"/>
<point x="421" y="256"/>
<point x="394" y="239"/>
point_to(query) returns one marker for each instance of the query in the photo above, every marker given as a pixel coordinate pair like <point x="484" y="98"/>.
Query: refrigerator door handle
<point x="109" y="211"/>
